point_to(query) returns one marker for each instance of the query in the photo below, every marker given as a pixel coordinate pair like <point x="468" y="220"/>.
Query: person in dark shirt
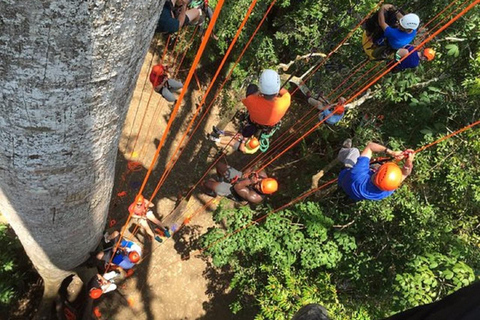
<point x="360" y="182"/>
<point x="413" y="60"/>
<point x="168" y="23"/>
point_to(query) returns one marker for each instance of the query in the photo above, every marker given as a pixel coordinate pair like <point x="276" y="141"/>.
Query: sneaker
<point x="212" y="137"/>
<point x="217" y="131"/>
<point x="158" y="239"/>
<point x="105" y="237"/>
<point x="347" y="143"/>
<point x="166" y="232"/>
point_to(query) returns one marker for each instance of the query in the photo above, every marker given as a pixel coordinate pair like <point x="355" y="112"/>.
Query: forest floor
<point x="169" y="283"/>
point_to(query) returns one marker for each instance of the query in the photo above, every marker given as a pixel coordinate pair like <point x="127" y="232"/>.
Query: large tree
<point x="67" y="73"/>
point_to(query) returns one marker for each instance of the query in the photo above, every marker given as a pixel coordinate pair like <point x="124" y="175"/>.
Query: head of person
<point x="95" y="293"/>
<point x="140" y="200"/>
<point x="428" y="54"/>
<point x="133" y="256"/>
<point x="158" y="70"/>
<point x="409" y="22"/>
<point x="269" y="83"/>
<point x="388" y="177"/>
<point x="253" y="142"/>
<point x="268" y="185"/>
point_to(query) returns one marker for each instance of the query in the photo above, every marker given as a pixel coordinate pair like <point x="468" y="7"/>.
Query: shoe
<point x="105" y="237"/>
<point x="158" y="239"/>
<point x="212" y="137"/>
<point x="217" y="131"/>
<point x="347" y="143"/>
<point x="166" y="232"/>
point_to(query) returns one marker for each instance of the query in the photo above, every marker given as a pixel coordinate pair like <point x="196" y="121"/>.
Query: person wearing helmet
<point x="397" y="38"/>
<point x="332" y="112"/>
<point x="99" y="285"/>
<point x="240" y="186"/>
<point x="127" y="255"/>
<point x="360" y="182"/>
<point x="169" y="22"/>
<point x="162" y="84"/>
<point x="266" y="104"/>
<point x="413" y="60"/>
<point x="144" y="216"/>
<point x="235" y="140"/>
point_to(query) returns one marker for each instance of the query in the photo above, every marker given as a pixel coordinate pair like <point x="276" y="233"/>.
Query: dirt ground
<point x="169" y="284"/>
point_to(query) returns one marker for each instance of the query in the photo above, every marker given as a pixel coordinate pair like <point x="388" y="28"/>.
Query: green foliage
<point x="414" y="247"/>
<point x="10" y="277"/>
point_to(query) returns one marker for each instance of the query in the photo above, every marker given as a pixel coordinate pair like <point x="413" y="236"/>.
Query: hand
<point x="398" y="155"/>
<point x="410" y="154"/>
<point x="253" y="177"/>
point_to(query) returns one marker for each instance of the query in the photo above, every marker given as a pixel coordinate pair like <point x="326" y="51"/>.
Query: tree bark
<point x="67" y="73"/>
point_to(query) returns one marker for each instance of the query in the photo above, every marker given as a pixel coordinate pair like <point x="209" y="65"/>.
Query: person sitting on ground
<point x="338" y="109"/>
<point x="143" y="215"/>
<point x="235" y="140"/>
<point x="413" y="60"/>
<point x="360" y="182"/>
<point x="393" y="37"/>
<point x="250" y="187"/>
<point x="99" y="285"/>
<point x="168" y="23"/>
<point x="162" y="84"/>
<point x="127" y="255"/>
<point x="266" y="104"/>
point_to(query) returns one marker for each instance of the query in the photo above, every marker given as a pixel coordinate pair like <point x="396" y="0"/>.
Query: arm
<point x="373" y="147"/>
<point x="181" y="16"/>
<point x="381" y="15"/>
<point x="246" y="193"/>
<point x="408" y="165"/>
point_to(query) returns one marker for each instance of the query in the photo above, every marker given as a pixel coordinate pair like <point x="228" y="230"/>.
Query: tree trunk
<point x="67" y="73"/>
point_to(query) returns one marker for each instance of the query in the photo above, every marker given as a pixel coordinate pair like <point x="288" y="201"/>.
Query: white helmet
<point x="269" y="82"/>
<point x="410" y="21"/>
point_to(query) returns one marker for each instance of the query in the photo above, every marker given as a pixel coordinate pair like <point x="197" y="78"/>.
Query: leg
<point x="316" y="103"/>
<point x="222" y="168"/>
<point x="174" y="84"/>
<point x="144" y="224"/>
<point x="348" y="156"/>
<point x="193" y="15"/>
<point x="167" y="94"/>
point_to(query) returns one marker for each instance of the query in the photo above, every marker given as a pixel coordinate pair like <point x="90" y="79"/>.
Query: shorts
<point x="348" y="156"/>
<point x="231" y="174"/>
<point x="223" y="189"/>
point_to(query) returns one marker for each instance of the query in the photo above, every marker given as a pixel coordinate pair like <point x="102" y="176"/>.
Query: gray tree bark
<point x="67" y="73"/>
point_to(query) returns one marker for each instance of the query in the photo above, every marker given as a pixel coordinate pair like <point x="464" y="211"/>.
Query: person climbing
<point x="168" y="23"/>
<point x="413" y="60"/>
<point x="360" y="182"/>
<point x="235" y="140"/>
<point x="143" y="215"/>
<point x="266" y="104"/>
<point x="248" y="187"/>
<point x="207" y="14"/>
<point x="126" y="256"/>
<point x="396" y="31"/>
<point x="337" y="109"/>
<point x="162" y="84"/>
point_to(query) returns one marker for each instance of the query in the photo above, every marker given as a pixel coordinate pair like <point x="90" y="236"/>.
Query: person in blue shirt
<point x="360" y="182"/>
<point x="397" y="38"/>
<point x="413" y="60"/>
<point x="337" y="109"/>
<point x="127" y="255"/>
<point x="168" y="23"/>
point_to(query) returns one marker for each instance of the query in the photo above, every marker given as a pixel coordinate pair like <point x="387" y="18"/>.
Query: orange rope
<point x="337" y="47"/>
<point x="180" y="145"/>
<point x="158" y="110"/>
<point x="190" y="42"/>
<point x="173" y="114"/>
<point x="165" y="49"/>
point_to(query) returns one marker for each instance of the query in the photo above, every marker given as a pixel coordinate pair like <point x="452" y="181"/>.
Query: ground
<point x="170" y="283"/>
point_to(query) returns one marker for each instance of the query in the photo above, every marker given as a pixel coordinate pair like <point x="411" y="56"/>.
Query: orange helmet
<point x="134" y="256"/>
<point x="253" y="142"/>
<point x="429" y="54"/>
<point x="158" y="70"/>
<point x="268" y="186"/>
<point x="388" y="177"/>
<point x="95" y="293"/>
<point x="340" y="109"/>
<point x="140" y="199"/>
